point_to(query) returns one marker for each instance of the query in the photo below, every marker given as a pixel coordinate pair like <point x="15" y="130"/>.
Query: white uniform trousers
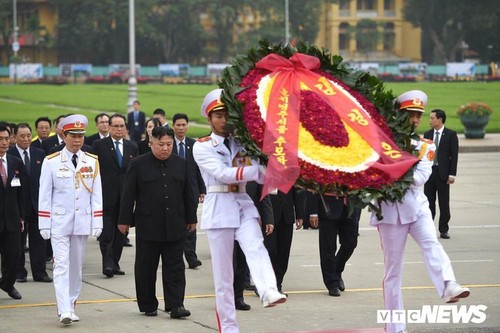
<point x="221" y="241"/>
<point x="393" y="238"/>
<point x="69" y="253"/>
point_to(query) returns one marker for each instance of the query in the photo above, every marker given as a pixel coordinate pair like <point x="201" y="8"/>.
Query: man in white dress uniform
<point x="413" y="216"/>
<point x="229" y="214"/>
<point x="70" y="209"/>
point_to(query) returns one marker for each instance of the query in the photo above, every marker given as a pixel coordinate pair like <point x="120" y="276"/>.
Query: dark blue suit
<point x="136" y="126"/>
<point x="37" y="245"/>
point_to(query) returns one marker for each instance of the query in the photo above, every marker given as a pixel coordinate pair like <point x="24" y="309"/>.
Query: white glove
<point x="45" y="233"/>
<point x="96" y="232"/>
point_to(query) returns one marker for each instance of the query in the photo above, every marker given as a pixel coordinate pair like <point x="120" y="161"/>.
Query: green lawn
<point x="24" y="103"/>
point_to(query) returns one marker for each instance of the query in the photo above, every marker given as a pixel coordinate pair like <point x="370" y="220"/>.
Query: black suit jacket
<point x="164" y="202"/>
<point x="330" y="209"/>
<point x="89" y="140"/>
<point x="12" y="198"/>
<point x="193" y="169"/>
<point x="135" y="131"/>
<point x="112" y="176"/>
<point x="289" y="205"/>
<point x="37" y="144"/>
<point x="49" y="143"/>
<point x="447" y="152"/>
<point x="33" y="178"/>
<point x="264" y="206"/>
<point x="60" y="147"/>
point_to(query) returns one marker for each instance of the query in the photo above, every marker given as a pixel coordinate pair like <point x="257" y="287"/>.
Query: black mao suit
<point x="332" y="221"/>
<point x="447" y="160"/>
<point x="164" y="205"/>
<point x="112" y="177"/>
<point x="37" y="245"/>
<point x="198" y="187"/>
<point x="11" y="212"/>
<point x="286" y="209"/>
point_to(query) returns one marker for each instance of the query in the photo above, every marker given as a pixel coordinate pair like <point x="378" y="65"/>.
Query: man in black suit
<point x="136" y="122"/>
<point x="444" y="169"/>
<point x="115" y="154"/>
<point x="287" y="212"/>
<point x="102" y="124"/>
<point x="161" y="116"/>
<point x="54" y="140"/>
<point x="33" y="159"/>
<point x="158" y="185"/>
<point x="183" y="147"/>
<point x="331" y="214"/>
<point x="42" y="127"/>
<point x="12" y="183"/>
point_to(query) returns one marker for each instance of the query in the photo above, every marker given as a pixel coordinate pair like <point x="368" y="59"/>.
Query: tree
<point x="447" y="22"/>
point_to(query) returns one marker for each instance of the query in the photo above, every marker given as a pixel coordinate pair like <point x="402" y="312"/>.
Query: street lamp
<point x="287" y="33"/>
<point x="15" y="43"/>
<point x="132" y="81"/>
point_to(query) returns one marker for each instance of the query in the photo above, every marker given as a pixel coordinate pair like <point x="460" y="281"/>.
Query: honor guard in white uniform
<point x="229" y="214"/>
<point x="70" y="209"/>
<point x="413" y="216"/>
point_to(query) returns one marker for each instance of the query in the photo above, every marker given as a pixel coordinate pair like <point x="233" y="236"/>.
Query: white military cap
<point x="212" y="102"/>
<point x="413" y="100"/>
<point x="75" y="124"/>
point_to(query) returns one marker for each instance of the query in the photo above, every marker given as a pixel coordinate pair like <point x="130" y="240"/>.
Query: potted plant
<point x="474" y="116"/>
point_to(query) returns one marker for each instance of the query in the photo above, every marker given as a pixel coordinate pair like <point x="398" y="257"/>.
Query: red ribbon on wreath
<point x="283" y="116"/>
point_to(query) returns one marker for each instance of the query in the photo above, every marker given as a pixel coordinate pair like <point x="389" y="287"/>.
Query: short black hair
<point x="117" y="115"/>
<point x="4" y="127"/>
<point x="159" y="111"/>
<point x="21" y="125"/>
<point x="57" y="120"/>
<point x="440" y="114"/>
<point x="99" y="116"/>
<point x="161" y="131"/>
<point x="180" y="116"/>
<point x="47" y="119"/>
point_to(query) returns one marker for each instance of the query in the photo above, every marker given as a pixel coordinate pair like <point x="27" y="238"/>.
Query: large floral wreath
<point x="318" y="123"/>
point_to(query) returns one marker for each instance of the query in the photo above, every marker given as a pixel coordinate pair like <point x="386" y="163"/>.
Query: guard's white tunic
<point x="411" y="216"/>
<point x="70" y="205"/>
<point x="230" y="216"/>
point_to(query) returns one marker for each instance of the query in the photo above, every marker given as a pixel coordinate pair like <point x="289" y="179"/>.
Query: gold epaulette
<point x="57" y="153"/>
<point x="204" y="139"/>
<point x="91" y="155"/>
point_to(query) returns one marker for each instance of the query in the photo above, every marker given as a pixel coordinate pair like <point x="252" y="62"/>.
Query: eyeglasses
<point x="118" y="126"/>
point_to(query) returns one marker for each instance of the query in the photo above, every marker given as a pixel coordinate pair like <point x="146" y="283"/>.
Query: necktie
<point x="436" y="141"/>
<point x="3" y="173"/>
<point x="226" y="143"/>
<point x="182" y="153"/>
<point x="118" y="153"/>
<point x="27" y="161"/>
<point x="74" y="159"/>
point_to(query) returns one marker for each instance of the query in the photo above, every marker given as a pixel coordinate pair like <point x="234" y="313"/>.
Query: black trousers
<point x="278" y="245"/>
<point x="333" y="262"/>
<point x="37" y="251"/>
<point x="190" y="247"/>
<point x="9" y="254"/>
<point x="436" y="185"/>
<point x="111" y="240"/>
<point x="147" y="256"/>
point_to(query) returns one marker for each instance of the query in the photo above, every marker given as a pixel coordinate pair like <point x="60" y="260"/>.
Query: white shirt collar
<point x="21" y="151"/>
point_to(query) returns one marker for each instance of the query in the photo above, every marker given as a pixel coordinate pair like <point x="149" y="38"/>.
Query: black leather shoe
<point x="14" y="294"/>
<point x="22" y="280"/>
<point x="108" y="271"/>
<point x="341" y="285"/>
<point x="151" y="313"/>
<point x="249" y="286"/>
<point x="241" y="305"/>
<point x="179" y="312"/>
<point x="44" y="279"/>
<point x="335" y="292"/>
<point x="194" y="264"/>
<point x="118" y="272"/>
<point x="445" y="235"/>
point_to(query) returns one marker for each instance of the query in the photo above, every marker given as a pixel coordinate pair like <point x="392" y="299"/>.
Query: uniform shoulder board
<point x="91" y="155"/>
<point x="204" y="139"/>
<point x="426" y="140"/>
<point x="57" y="153"/>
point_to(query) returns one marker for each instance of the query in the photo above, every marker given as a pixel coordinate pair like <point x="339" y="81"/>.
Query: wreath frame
<point x="368" y="85"/>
